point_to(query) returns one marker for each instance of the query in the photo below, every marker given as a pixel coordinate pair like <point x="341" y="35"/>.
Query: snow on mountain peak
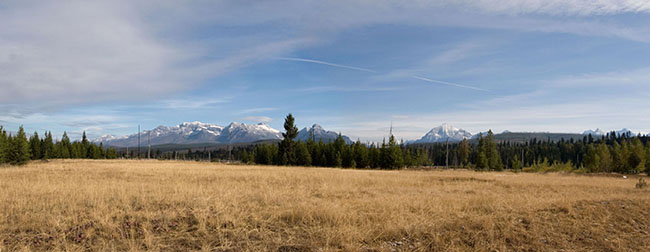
<point x="198" y="132"/>
<point x="443" y="133"/>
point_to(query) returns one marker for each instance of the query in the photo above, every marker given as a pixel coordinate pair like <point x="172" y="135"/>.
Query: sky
<point x="353" y="66"/>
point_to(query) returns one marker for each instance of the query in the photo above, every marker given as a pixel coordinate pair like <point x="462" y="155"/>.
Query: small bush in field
<point x="641" y="184"/>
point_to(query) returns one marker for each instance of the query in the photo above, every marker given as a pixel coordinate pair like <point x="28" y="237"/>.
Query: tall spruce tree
<point x="303" y="157"/>
<point x="463" y="152"/>
<point x="85" y="151"/>
<point x="47" y="146"/>
<point x="35" y="146"/>
<point x="19" y="153"/>
<point x="391" y="154"/>
<point x="64" y="146"/>
<point x="494" y="158"/>
<point x="287" y="145"/>
<point x="482" y="158"/>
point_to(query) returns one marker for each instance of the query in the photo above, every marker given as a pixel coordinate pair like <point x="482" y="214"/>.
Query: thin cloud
<point x="449" y="83"/>
<point x="376" y="72"/>
<point x="328" y="64"/>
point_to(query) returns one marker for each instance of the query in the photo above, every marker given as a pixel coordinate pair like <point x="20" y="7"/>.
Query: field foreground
<point x="77" y="205"/>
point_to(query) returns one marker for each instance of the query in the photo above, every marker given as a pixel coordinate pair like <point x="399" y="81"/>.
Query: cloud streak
<point x="373" y="72"/>
<point x="328" y="64"/>
<point x="449" y="83"/>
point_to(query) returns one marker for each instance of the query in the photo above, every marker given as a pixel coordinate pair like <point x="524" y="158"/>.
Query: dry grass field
<point x="79" y="205"/>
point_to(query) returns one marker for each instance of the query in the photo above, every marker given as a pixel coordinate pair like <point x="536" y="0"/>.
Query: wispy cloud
<point x="328" y="64"/>
<point x="263" y="119"/>
<point x="370" y="71"/>
<point x="449" y="83"/>
<point x="319" y="89"/>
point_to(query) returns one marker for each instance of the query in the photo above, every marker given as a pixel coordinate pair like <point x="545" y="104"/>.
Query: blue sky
<point x="351" y="66"/>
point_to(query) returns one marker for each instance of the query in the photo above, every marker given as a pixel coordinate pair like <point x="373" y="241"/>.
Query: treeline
<point x="622" y="153"/>
<point x="336" y="153"/>
<point x="18" y="149"/>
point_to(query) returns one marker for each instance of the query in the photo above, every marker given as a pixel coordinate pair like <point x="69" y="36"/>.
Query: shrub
<point x="641" y="184"/>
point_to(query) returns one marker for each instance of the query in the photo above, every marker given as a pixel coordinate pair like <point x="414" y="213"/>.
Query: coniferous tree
<point x="35" y="146"/>
<point x="303" y="158"/>
<point x="617" y="159"/>
<point x="592" y="159"/>
<point x="463" y="152"/>
<point x="481" y="158"/>
<point x="360" y="155"/>
<point x="515" y="164"/>
<point x="482" y="161"/>
<point x="64" y="147"/>
<point x="494" y="158"/>
<point x="47" y="146"/>
<point x="287" y="145"/>
<point x="19" y="148"/>
<point x="85" y="151"/>
<point x="636" y="158"/>
<point x="391" y="154"/>
<point x="604" y="158"/>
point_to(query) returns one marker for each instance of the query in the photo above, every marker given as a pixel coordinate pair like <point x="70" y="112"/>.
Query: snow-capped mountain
<point x="319" y="134"/>
<point x="196" y="132"/>
<point x="247" y="133"/>
<point x="599" y="132"/>
<point x="596" y="132"/>
<point x="443" y="133"/>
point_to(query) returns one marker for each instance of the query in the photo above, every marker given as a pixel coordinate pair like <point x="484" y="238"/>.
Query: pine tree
<point x="617" y="159"/>
<point x="47" y="146"/>
<point x="35" y="146"/>
<point x="287" y="145"/>
<point x="85" y="150"/>
<point x="19" y="149"/>
<point x="494" y="158"/>
<point x="482" y="162"/>
<point x="515" y="164"/>
<point x="604" y="158"/>
<point x="391" y="154"/>
<point x="636" y="158"/>
<point x="463" y="152"/>
<point x="360" y="155"/>
<point x="64" y="146"/>
<point x="303" y="158"/>
<point x="592" y="159"/>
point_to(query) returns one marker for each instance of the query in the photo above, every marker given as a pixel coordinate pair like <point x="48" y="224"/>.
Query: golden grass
<point x="76" y="205"/>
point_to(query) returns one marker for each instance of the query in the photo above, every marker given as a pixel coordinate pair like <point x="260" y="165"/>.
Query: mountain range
<point x="206" y="133"/>
<point x="198" y="132"/>
<point x="319" y="134"/>
<point x="599" y="132"/>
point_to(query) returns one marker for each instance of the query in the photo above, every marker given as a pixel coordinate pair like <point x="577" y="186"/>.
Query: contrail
<point x="329" y="64"/>
<point x="376" y="72"/>
<point x="449" y="83"/>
